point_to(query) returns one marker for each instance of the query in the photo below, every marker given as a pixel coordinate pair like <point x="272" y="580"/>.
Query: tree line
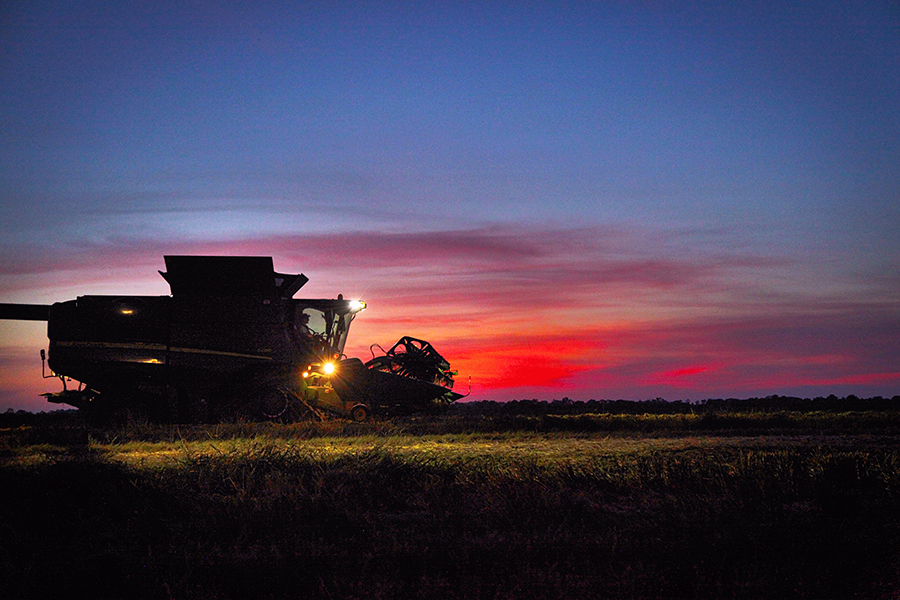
<point x="659" y="406"/>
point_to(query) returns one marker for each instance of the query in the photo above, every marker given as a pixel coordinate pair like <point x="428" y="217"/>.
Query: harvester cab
<point x="230" y="342"/>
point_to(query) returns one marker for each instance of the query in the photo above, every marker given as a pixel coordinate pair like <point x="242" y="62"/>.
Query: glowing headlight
<point x="357" y="305"/>
<point x="328" y="368"/>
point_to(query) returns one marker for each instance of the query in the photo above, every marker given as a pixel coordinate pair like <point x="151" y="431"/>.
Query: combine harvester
<point x="230" y="343"/>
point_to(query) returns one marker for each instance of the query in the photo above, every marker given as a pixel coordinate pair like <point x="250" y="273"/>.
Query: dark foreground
<point x="653" y="506"/>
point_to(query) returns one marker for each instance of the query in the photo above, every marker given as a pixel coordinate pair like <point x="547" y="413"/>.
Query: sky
<point x="585" y="200"/>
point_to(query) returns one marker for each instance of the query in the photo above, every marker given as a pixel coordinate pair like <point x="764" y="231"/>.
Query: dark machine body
<point x="230" y="342"/>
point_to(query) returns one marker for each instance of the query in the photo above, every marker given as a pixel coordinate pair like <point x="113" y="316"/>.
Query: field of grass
<point x="581" y="506"/>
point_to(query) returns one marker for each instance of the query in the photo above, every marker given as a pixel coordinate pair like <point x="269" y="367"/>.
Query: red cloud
<point x="590" y="312"/>
<point x="510" y="361"/>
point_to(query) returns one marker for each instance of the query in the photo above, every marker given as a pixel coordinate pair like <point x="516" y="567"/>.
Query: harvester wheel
<point x="360" y="412"/>
<point x="272" y="401"/>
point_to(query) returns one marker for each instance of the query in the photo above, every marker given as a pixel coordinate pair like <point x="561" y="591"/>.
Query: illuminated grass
<point x="449" y="449"/>
<point x="342" y="510"/>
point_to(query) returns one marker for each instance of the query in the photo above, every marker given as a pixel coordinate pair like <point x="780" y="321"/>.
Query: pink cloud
<point x="590" y="312"/>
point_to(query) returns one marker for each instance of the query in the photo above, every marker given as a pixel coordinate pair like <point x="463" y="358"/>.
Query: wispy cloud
<point x="589" y="312"/>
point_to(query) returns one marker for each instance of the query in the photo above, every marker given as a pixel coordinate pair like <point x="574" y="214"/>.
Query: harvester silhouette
<point x="231" y="342"/>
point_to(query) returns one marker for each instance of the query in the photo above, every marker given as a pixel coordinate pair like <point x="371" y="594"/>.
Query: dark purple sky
<point x="593" y="200"/>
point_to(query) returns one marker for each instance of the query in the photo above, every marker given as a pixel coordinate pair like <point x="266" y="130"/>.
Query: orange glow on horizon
<point x="580" y="313"/>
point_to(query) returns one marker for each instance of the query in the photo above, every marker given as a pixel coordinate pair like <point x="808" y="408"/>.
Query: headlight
<point x="317" y="370"/>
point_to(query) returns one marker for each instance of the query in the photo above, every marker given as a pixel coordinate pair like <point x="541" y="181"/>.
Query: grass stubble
<point x="402" y="509"/>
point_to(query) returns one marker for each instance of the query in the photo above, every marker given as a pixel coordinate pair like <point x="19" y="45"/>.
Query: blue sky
<point x="689" y="168"/>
